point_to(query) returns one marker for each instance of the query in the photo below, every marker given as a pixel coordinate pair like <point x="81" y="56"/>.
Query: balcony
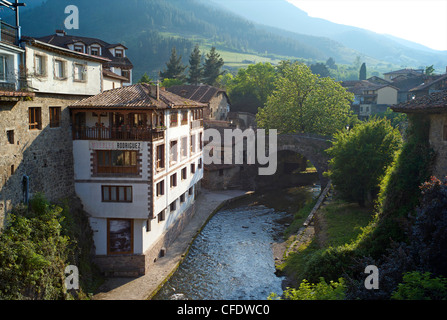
<point x="8" y="33"/>
<point x="123" y="133"/>
<point x="196" y="124"/>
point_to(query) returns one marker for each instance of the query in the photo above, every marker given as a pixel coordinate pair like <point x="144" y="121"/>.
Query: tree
<point x="429" y="70"/>
<point x="251" y="86"/>
<point x="212" y="67"/>
<point x="360" y="158"/>
<point x="362" y="72"/>
<point x="195" y="68"/>
<point x="330" y="63"/>
<point x="174" y="67"/>
<point x="145" y="79"/>
<point x="303" y="102"/>
<point x="320" y="69"/>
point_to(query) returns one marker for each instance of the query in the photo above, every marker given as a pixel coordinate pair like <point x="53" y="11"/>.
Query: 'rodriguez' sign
<point x="115" y="145"/>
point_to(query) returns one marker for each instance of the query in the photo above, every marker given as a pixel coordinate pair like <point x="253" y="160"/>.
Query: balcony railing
<point x="117" y="133"/>
<point x="9" y="33"/>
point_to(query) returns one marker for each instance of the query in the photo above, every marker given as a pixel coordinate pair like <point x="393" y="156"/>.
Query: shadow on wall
<point x="44" y="155"/>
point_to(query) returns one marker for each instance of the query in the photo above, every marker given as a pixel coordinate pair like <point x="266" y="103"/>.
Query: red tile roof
<point x="433" y="103"/>
<point x="137" y="96"/>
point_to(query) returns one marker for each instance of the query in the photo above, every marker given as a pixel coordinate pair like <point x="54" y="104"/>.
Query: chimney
<point x="60" y="33"/>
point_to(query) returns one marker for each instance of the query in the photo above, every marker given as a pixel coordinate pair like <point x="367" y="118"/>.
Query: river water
<point x="232" y="257"/>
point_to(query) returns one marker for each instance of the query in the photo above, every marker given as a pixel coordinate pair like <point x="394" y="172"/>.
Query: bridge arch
<point x="310" y="146"/>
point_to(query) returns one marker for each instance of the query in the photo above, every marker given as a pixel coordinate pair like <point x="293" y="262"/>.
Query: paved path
<point x="143" y="287"/>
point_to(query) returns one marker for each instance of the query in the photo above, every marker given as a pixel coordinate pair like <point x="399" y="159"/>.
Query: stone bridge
<point x="310" y="146"/>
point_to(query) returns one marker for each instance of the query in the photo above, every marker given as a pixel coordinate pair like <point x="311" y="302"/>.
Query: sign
<point x="115" y="145"/>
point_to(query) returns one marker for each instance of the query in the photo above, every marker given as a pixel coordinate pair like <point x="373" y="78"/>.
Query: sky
<point x="420" y="21"/>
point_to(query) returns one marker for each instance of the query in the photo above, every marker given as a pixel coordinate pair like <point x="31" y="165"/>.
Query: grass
<point x="337" y="225"/>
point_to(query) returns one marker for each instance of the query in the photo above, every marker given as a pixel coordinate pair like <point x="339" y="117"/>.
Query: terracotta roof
<point x="139" y="96"/>
<point x="432" y="103"/>
<point x="200" y="93"/>
<point x="358" y="86"/>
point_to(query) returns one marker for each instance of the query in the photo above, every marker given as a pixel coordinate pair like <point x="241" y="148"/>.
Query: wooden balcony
<point x="118" y="133"/>
<point x="8" y="33"/>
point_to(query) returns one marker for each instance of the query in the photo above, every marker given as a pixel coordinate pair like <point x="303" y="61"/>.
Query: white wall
<point x="49" y="84"/>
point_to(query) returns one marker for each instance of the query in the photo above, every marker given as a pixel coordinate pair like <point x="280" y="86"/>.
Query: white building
<point x="137" y="162"/>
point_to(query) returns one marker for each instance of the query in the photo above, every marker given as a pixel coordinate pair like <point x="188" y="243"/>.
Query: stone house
<point x="40" y="81"/>
<point x="216" y="99"/>
<point x="430" y="85"/>
<point x="138" y="162"/>
<point x="434" y="107"/>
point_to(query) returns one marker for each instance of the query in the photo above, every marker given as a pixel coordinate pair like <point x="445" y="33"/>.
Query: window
<point x="116" y="194"/>
<point x="10" y="136"/>
<point x="184" y="174"/>
<point x="183" y="197"/>
<point x="161" y="216"/>
<point x="119" y="53"/>
<point x="148" y="225"/>
<point x="35" y="120"/>
<point x="126" y="74"/>
<point x="199" y="165"/>
<point x="119" y="236"/>
<point x="59" y="69"/>
<point x="173" y="206"/>
<point x="55" y="117"/>
<point x="40" y="65"/>
<point x="79" y="48"/>
<point x="160" y="188"/>
<point x="94" y="51"/>
<point x="116" y="162"/>
<point x="184" y="151"/>
<point x="184" y="115"/>
<point x="190" y="191"/>
<point x="193" y="167"/>
<point x="221" y="172"/>
<point x="80" y="72"/>
<point x="173" y="151"/>
<point x="193" y="144"/>
<point x="173" y="119"/>
<point x="173" y="180"/>
<point x="3" y="68"/>
<point x="160" y="157"/>
<point x="201" y="141"/>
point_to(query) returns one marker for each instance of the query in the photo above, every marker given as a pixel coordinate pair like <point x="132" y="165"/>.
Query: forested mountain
<point x="283" y="15"/>
<point x="150" y="28"/>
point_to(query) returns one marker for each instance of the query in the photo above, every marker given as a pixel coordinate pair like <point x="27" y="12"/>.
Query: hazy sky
<point x="421" y="21"/>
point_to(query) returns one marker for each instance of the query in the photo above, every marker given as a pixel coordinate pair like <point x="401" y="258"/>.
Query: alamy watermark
<point x="71" y="277"/>
<point x="222" y="151"/>
<point x="72" y="21"/>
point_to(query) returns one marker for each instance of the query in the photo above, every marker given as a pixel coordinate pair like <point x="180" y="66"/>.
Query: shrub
<point x="316" y="291"/>
<point x="360" y="157"/>
<point x="421" y="286"/>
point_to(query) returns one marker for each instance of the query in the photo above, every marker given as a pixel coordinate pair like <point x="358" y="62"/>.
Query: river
<point x="232" y="258"/>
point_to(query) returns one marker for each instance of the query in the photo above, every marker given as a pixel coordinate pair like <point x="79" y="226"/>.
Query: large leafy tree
<point x="195" y="68"/>
<point x="360" y="158"/>
<point x="174" y="68"/>
<point x="304" y="102"/>
<point x="251" y="86"/>
<point x="212" y="67"/>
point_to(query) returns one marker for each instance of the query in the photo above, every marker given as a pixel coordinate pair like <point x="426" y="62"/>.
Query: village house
<point x="434" y="108"/>
<point x="371" y="97"/>
<point x="137" y="165"/>
<point x="218" y="103"/>
<point x="402" y="74"/>
<point x="39" y="79"/>
<point x="429" y="85"/>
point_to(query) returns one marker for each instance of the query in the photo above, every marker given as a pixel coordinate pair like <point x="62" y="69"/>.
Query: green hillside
<point x="150" y="28"/>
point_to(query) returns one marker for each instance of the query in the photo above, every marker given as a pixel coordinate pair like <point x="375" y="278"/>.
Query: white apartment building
<point x="138" y="162"/>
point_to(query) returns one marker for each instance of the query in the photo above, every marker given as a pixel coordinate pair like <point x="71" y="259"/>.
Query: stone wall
<point x="45" y="155"/>
<point x="437" y="123"/>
